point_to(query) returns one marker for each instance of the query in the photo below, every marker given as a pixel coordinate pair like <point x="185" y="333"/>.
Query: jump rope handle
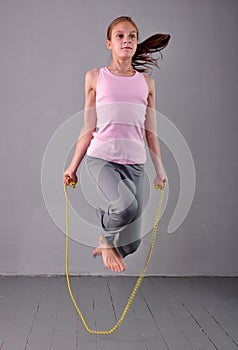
<point x="71" y="182"/>
<point x="158" y="187"/>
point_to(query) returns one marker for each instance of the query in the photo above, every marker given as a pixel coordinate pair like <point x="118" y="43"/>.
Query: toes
<point x="122" y="267"/>
<point x="97" y="251"/>
<point x="116" y="264"/>
<point x="110" y="264"/>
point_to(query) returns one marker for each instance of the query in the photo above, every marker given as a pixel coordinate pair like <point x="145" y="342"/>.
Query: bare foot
<point x="111" y="258"/>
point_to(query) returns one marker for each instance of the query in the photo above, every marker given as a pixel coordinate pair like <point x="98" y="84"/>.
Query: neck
<point x="123" y="66"/>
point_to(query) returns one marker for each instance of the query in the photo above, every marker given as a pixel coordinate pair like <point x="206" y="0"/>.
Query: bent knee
<point x="127" y="215"/>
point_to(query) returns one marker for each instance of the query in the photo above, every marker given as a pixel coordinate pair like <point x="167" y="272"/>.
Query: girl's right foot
<point x="111" y="258"/>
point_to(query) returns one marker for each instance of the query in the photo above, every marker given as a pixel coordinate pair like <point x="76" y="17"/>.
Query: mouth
<point x="127" y="48"/>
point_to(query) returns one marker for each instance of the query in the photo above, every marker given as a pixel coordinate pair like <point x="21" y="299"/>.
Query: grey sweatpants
<point x="121" y="186"/>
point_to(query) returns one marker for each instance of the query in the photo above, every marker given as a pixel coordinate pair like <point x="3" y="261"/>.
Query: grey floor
<point x="36" y="313"/>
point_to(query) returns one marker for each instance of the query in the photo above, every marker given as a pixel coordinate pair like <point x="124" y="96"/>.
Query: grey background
<point x="46" y="49"/>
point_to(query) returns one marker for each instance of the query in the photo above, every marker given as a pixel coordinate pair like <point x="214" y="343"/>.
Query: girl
<point x="119" y="112"/>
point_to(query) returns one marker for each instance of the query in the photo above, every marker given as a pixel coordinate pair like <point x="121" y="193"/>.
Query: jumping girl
<point x="119" y="112"/>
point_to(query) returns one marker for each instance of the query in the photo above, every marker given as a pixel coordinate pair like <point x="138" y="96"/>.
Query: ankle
<point x="103" y="243"/>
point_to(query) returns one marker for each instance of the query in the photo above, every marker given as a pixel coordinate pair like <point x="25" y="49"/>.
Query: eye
<point x="120" y="36"/>
<point x="132" y="36"/>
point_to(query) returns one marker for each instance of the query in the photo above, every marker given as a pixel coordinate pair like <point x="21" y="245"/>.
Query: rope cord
<point x="139" y="280"/>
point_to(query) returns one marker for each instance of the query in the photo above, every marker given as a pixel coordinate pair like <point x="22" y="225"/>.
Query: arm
<point x="152" y="137"/>
<point x="89" y="126"/>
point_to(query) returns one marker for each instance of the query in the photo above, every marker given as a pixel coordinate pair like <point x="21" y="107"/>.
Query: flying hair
<point x="143" y="59"/>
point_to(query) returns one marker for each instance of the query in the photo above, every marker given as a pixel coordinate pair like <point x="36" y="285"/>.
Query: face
<point x="123" y="41"/>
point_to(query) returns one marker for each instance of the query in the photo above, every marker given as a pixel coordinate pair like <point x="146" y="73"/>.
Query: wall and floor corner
<point x="46" y="49"/>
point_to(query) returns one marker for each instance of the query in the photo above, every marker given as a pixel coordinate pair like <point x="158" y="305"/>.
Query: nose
<point x="127" y="40"/>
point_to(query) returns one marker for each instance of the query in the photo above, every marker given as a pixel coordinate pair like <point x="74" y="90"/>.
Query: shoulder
<point x="92" y="73"/>
<point x="91" y="77"/>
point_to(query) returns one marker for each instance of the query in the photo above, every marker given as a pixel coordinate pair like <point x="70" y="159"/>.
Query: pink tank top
<point x="121" y="107"/>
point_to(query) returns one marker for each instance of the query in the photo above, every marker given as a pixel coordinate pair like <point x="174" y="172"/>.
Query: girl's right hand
<point x="70" y="176"/>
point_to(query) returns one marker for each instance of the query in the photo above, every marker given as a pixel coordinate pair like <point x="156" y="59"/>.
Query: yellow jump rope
<point x="139" y="280"/>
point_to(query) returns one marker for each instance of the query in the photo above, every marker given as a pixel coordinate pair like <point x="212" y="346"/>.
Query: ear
<point x="108" y="44"/>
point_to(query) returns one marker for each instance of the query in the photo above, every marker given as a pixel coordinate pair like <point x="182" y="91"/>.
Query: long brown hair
<point x="143" y="59"/>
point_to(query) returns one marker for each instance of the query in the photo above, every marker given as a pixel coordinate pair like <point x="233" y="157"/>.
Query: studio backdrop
<point x="46" y="49"/>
